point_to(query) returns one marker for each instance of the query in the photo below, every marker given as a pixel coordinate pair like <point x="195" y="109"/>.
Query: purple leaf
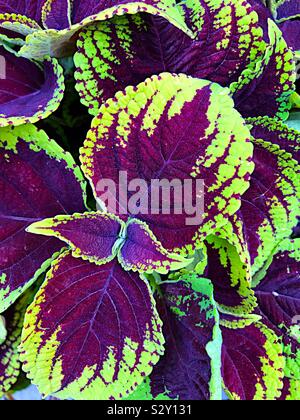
<point x="230" y="275"/>
<point x="287" y="9"/>
<point x="270" y="208"/>
<point x="91" y="236"/>
<point x="291" y="33"/>
<point x="233" y="35"/>
<point x="102" y="327"/>
<point x="30" y="8"/>
<point x="28" y="92"/>
<point x="65" y="20"/>
<point x="191" y="366"/>
<point x="278" y="295"/>
<point x="143" y="132"/>
<point x="37" y="180"/>
<point x="143" y="252"/>
<point x="58" y="13"/>
<point x="252" y="363"/>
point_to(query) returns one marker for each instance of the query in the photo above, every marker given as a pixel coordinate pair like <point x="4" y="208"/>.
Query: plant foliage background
<point x="96" y="305"/>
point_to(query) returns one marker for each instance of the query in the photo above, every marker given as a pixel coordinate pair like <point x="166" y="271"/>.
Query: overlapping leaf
<point x="191" y="366"/>
<point x="100" y="237"/>
<point x="101" y="337"/>
<point x="242" y="50"/>
<point x="252" y="363"/>
<point x="65" y="18"/>
<point x="287" y="15"/>
<point x="230" y="275"/>
<point x="92" y="236"/>
<point x="10" y="365"/>
<point x="28" y="92"/>
<point x="278" y="294"/>
<point x="144" y="132"/>
<point x="270" y="208"/>
<point x="285" y="9"/>
<point x="37" y="180"/>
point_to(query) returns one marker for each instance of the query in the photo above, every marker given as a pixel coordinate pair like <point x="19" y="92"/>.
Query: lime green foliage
<point x="143" y="393"/>
<point x="3" y="332"/>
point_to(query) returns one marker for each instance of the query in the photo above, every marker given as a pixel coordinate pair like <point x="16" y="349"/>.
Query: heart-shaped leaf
<point x="92" y="332"/>
<point x="143" y="133"/>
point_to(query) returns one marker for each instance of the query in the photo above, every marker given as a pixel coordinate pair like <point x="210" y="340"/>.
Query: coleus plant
<point x="140" y="305"/>
<point x="287" y="14"/>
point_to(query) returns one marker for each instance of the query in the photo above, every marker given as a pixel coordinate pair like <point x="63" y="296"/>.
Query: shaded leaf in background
<point x="29" y="91"/>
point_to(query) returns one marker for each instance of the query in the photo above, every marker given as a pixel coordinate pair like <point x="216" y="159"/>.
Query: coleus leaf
<point x="142" y="251"/>
<point x="291" y="33"/>
<point x="29" y="91"/>
<point x="100" y="237"/>
<point x="129" y="49"/>
<point x="191" y="366"/>
<point x="143" y="132"/>
<point x="10" y="365"/>
<point x="37" y="180"/>
<point x="14" y="28"/>
<point x="101" y="337"/>
<point x="270" y="207"/>
<point x="91" y="236"/>
<point x="234" y="35"/>
<point x="287" y="14"/>
<point x="252" y="363"/>
<point x="29" y="8"/>
<point x="65" y="20"/>
<point x="230" y="275"/>
<point x="285" y="9"/>
<point x="268" y="89"/>
<point x="276" y="132"/>
<point x="278" y="295"/>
